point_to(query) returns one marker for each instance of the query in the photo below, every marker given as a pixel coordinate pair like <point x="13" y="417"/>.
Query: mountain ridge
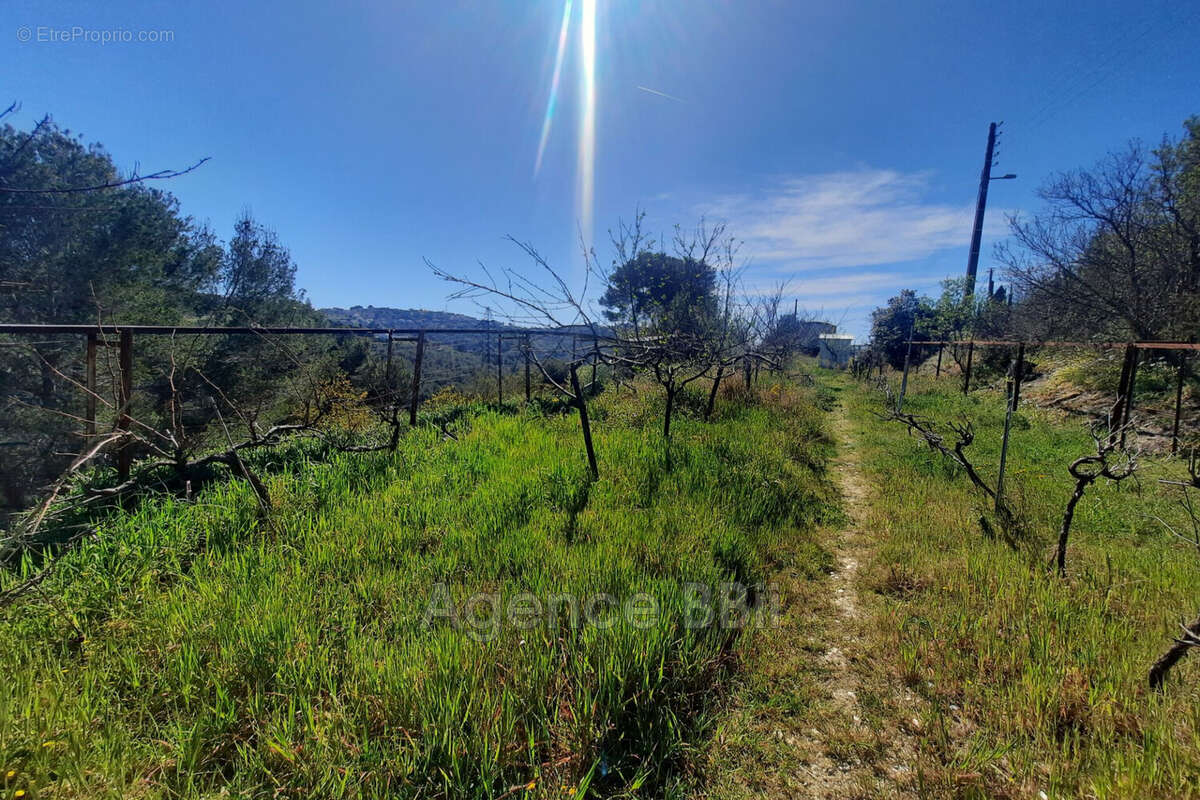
<point x="370" y="316"/>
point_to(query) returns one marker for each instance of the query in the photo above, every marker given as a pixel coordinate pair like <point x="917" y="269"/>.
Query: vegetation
<point x="298" y="593"/>
<point x="1114" y="256"/>
<point x="194" y="648"/>
<point x="1044" y="655"/>
<point x="126" y="254"/>
<point x="1027" y="683"/>
<point x="1116" y="252"/>
<point x="661" y="292"/>
<point x="675" y="319"/>
<point x="905" y="317"/>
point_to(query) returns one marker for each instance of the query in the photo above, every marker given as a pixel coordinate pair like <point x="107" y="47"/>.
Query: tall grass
<point x="1035" y="684"/>
<point x="193" y="649"/>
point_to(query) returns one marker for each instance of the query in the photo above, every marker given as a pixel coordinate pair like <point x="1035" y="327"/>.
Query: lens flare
<point x="587" y="119"/>
<point x="552" y="102"/>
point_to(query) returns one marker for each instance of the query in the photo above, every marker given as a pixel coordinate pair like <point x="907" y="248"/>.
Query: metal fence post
<point x="1178" y="402"/>
<point x="967" y="374"/>
<point x="1018" y="374"/>
<point x="1128" y="409"/>
<point x="1123" y="394"/>
<point x="904" y="380"/>
<point x="387" y="372"/>
<point x="528" y="387"/>
<point x="595" y="358"/>
<point x="415" y="395"/>
<point x="1013" y="397"/>
<point x="90" y="378"/>
<point x="124" y="400"/>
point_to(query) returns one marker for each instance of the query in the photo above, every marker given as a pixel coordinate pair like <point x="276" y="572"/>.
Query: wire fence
<point x="65" y="386"/>
<point x="1140" y="389"/>
<point x="1149" y="392"/>
<point x="93" y="378"/>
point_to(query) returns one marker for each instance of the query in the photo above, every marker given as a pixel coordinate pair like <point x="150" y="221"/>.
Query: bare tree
<point x="1188" y="638"/>
<point x="546" y="301"/>
<point x="32" y="136"/>
<point x="1116" y="252"/>
<point x="675" y="349"/>
<point x="675" y="357"/>
<point x="172" y="446"/>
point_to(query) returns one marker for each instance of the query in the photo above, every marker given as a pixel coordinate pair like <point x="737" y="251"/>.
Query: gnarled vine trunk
<point x="1189" y="639"/>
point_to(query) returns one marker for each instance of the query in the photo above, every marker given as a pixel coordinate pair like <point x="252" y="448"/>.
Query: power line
<point x="1082" y="81"/>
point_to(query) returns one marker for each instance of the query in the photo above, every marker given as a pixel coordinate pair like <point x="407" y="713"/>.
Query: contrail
<point x="662" y="94"/>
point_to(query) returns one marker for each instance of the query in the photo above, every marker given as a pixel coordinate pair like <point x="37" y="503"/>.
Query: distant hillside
<point x="483" y="346"/>
<point x="383" y="317"/>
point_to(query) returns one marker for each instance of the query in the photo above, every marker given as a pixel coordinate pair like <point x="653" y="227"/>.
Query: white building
<point x="835" y="349"/>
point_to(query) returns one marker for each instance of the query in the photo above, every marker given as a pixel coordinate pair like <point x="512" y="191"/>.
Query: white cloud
<point x="847" y="219"/>
<point x="842" y="285"/>
<point x="848" y="284"/>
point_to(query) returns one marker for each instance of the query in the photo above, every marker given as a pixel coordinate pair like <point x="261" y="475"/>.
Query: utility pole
<point x="985" y="178"/>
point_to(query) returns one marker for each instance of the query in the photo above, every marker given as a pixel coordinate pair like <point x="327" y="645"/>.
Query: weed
<point x="187" y="650"/>
<point x="1050" y="675"/>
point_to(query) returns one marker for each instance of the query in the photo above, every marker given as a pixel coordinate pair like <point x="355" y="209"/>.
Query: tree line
<point x="1114" y="255"/>
<point x="79" y="243"/>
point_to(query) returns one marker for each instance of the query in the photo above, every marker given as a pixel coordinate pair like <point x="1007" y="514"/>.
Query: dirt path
<point x="858" y="746"/>
<point x="819" y="714"/>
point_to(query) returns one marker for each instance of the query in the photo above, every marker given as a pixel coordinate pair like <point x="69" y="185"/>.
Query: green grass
<point x="1101" y="371"/>
<point x="1033" y="683"/>
<point x="194" y="649"/>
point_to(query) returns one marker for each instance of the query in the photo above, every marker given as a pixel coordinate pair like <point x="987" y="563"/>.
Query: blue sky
<point x="842" y="141"/>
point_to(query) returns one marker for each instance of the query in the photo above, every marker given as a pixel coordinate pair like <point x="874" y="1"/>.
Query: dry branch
<point x="1112" y="461"/>
<point x="1190" y="632"/>
<point x="964" y="436"/>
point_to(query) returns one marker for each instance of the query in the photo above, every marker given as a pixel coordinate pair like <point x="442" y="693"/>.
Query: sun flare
<point x="552" y="102"/>
<point x="587" y="118"/>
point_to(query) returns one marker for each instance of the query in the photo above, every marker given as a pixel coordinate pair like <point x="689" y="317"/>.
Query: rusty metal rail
<point x="212" y="330"/>
<point x="1125" y="391"/>
<point x="1141" y="345"/>
<point x="122" y="337"/>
